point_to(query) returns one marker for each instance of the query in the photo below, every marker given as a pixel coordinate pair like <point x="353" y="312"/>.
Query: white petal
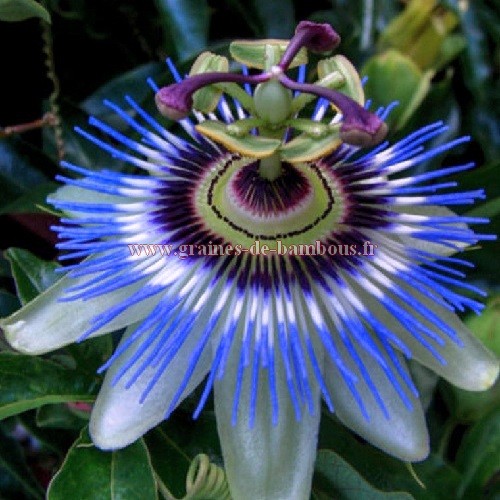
<point x="404" y="434"/>
<point x="118" y="417"/>
<point x="430" y="211"/>
<point x="81" y="195"/>
<point x="46" y="323"/>
<point x="471" y="366"/>
<point x="265" y="461"/>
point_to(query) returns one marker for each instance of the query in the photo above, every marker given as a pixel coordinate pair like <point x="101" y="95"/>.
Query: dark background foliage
<point x="106" y="48"/>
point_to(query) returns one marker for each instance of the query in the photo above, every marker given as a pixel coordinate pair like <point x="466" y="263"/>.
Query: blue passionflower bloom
<point x="265" y="250"/>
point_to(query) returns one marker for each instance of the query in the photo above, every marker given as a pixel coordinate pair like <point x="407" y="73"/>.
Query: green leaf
<point x="412" y="84"/>
<point x="32" y="201"/>
<point x="92" y="353"/>
<point x="131" y="83"/>
<point x="479" y="455"/>
<point x="335" y="478"/>
<point x="22" y="169"/>
<point x="13" y="464"/>
<point x="58" y="416"/>
<point x="276" y="16"/>
<point x="489" y="209"/>
<point x="18" y="10"/>
<point x="485" y="176"/>
<point x="169" y="460"/>
<point x="31" y="274"/>
<point x="79" y="150"/>
<point x="91" y="474"/>
<point x="480" y="103"/>
<point x="468" y="406"/>
<point x="451" y="47"/>
<point x="425" y="381"/>
<point x="387" y="473"/>
<point x="8" y="303"/>
<point x="173" y="444"/>
<point x="55" y="441"/>
<point x="486" y="327"/>
<point x="27" y="382"/>
<point x="186" y="22"/>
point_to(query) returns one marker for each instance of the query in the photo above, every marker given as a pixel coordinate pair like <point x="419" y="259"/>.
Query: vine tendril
<point x="206" y="481"/>
<point x="54" y="96"/>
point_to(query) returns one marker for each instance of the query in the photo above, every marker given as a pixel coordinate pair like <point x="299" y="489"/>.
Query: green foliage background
<point x="107" y="48"/>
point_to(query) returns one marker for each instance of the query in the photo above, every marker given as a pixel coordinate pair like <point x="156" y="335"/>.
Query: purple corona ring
<point x="362" y="270"/>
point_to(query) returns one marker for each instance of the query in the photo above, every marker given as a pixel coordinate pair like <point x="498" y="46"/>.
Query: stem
<point x="359" y="127"/>
<point x="270" y="167"/>
<point x="48" y="119"/>
<point x="366" y="31"/>
<point x="164" y="491"/>
<point x="52" y="76"/>
<point x="449" y="427"/>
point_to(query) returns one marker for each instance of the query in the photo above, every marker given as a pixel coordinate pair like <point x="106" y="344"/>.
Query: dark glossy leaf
<point x="22" y="168"/>
<point x="8" y="303"/>
<point x="31" y="274"/>
<point x="439" y="105"/>
<point x="79" y="150"/>
<point x="32" y="201"/>
<point x="478" y="74"/>
<point x="18" y="10"/>
<point x="55" y="441"/>
<point x="4" y="268"/>
<point x="28" y="382"/>
<point x="186" y="22"/>
<point x="91" y="354"/>
<point x="176" y="442"/>
<point x="13" y="464"/>
<point x="484" y="177"/>
<point x="489" y="209"/>
<point x="91" y="474"/>
<point x="479" y="455"/>
<point x="386" y="473"/>
<point x="131" y="83"/>
<point x="59" y="416"/>
<point x="334" y="478"/>
<point x="170" y="461"/>
<point x="486" y="327"/>
<point x="466" y="406"/>
<point x="425" y="382"/>
<point x="277" y="18"/>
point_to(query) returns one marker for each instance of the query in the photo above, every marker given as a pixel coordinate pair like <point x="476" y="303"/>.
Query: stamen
<point x="314" y="36"/>
<point x="176" y="101"/>
<point x="359" y="127"/>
